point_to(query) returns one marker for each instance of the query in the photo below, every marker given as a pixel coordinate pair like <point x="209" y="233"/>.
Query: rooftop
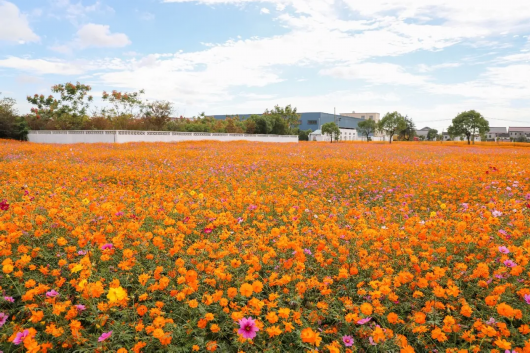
<point x="497" y="130"/>
<point x="521" y="129"/>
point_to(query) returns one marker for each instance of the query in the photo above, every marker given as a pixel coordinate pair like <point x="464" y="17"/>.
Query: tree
<point x="391" y="124"/>
<point x="469" y="124"/>
<point x="157" y="114"/>
<point x="331" y="129"/>
<point x="366" y="128"/>
<point x="303" y="135"/>
<point x="67" y="112"/>
<point x="12" y="126"/>
<point x="408" y="131"/>
<point x="432" y="134"/>
<point x="289" y="116"/>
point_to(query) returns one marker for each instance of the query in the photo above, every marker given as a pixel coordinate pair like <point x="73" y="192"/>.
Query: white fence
<point x="122" y="136"/>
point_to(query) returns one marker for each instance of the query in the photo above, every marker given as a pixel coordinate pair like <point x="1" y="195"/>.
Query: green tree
<point x="157" y="115"/>
<point x="331" y="129"/>
<point x="12" y="126"/>
<point x="469" y="124"/>
<point x="432" y="134"/>
<point x="67" y="112"/>
<point x="288" y="115"/>
<point x="408" y="131"/>
<point x="391" y="124"/>
<point x="303" y="135"/>
<point x="366" y="128"/>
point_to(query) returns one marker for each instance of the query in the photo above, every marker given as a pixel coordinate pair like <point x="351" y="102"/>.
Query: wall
<point x="43" y="136"/>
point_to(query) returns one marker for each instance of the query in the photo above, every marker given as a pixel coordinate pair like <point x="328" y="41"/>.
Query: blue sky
<point x="428" y="59"/>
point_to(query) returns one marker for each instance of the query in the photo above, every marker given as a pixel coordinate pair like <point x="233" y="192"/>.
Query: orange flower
<point x="310" y="336"/>
<point x="246" y="290"/>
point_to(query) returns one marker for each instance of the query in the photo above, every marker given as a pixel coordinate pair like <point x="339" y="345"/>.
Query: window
<point x="362" y="116"/>
<point x="371" y="116"/>
<point x="312" y="122"/>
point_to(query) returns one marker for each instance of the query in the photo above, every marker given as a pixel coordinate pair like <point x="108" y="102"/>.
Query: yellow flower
<point x="116" y="294"/>
<point x="85" y="201"/>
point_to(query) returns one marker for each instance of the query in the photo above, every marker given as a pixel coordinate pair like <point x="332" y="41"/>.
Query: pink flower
<point x="80" y="307"/>
<point x="4" y="206"/>
<point x="3" y="319"/>
<point x="504" y="250"/>
<point x="19" y="338"/>
<point x="247" y="328"/>
<point x="9" y="299"/>
<point x="527" y="298"/>
<point x="107" y="246"/>
<point x="348" y="341"/>
<point x="104" y="336"/>
<point x="509" y="263"/>
<point x="208" y="230"/>
<point x="52" y="294"/>
<point x="364" y="321"/>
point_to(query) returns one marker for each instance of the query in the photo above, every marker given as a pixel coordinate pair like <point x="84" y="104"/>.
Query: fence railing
<point x="120" y="136"/>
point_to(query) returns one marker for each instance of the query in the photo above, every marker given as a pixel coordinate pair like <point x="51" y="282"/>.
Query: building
<point x="364" y="116"/>
<point x="423" y="132"/>
<point x="345" y="135"/>
<point x="311" y="120"/>
<point x="495" y="132"/>
<point x="517" y="132"/>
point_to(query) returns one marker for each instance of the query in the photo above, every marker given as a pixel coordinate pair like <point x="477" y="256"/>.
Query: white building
<point x="345" y="135"/>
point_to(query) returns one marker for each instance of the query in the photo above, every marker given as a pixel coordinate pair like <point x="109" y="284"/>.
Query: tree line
<point x="69" y="107"/>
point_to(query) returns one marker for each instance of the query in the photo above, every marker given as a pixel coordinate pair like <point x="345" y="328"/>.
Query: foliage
<point x="391" y="124"/>
<point x="303" y="135"/>
<point x="287" y="115"/>
<point x="165" y="247"/>
<point x="332" y="130"/>
<point x="432" y="134"/>
<point x="469" y="124"/>
<point x="367" y="128"/>
<point x="67" y="112"/>
<point x="12" y="126"/>
<point x="408" y="130"/>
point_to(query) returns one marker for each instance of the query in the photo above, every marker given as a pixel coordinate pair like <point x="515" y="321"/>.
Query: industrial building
<point x="314" y="120"/>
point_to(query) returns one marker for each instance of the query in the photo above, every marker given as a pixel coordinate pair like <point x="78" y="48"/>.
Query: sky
<point x="427" y="59"/>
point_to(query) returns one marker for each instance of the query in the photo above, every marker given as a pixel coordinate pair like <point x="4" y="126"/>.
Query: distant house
<point x="423" y="132"/>
<point x="516" y="132"/>
<point x="495" y="133"/>
<point x="345" y="135"/>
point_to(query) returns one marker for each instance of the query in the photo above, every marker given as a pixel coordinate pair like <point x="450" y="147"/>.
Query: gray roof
<point x="316" y="132"/>
<point x="497" y="130"/>
<point x="521" y="129"/>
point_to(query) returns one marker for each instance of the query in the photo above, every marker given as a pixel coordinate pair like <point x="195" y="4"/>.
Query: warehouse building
<point x="312" y="120"/>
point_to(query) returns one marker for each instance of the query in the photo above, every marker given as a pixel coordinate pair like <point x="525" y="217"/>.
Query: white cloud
<point x="265" y="10"/>
<point x="429" y="68"/>
<point x="76" y="11"/>
<point x="94" y="35"/>
<point x="377" y="73"/>
<point x="14" y="25"/>
<point x="41" y="66"/>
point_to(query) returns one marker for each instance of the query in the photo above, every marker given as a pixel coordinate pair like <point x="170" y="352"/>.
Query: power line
<point x="513" y="121"/>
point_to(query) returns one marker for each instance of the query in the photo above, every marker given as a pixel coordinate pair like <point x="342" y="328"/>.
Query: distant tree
<point x="408" y="132"/>
<point x="12" y="126"/>
<point x="469" y="124"/>
<point x="263" y="125"/>
<point x="303" y="135"/>
<point x="332" y="130"/>
<point x="67" y="112"/>
<point x="366" y="128"/>
<point x="432" y="134"/>
<point x="521" y="139"/>
<point x="391" y="124"/>
<point x="289" y="116"/>
<point x="157" y="114"/>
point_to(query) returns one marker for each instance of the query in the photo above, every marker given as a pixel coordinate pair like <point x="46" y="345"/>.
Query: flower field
<point x="241" y="247"/>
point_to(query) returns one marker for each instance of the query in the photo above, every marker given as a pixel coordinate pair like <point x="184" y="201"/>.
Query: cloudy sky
<point x="428" y="59"/>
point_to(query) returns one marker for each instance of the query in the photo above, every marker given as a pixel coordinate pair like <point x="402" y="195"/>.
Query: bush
<point x="12" y="126"/>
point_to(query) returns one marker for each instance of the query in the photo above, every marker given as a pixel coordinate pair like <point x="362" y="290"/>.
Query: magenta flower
<point x="208" y="230"/>
<point x="348" y="341"/>
<point x="504" y="250"/>
<point x="247" y="328"/>
<point x="9" y="299"/>
<point x="364" y="321"/>
<point x="104" y="336"/>
<point x="80" y="307"/>
<point x="527" y="298"/>
<point x="20" y="337"/>
<point x="4" y="206"/>
<point x="509" y="263"/>
<point x="52" y="294"/>
<point x="107" y="246"/>
<point x="3" y="319"/>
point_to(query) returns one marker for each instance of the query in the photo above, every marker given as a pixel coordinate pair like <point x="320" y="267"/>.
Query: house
<point x="345" y="135"/>
<point x="423" y="132"/>
<point x="495" y="133"/>
<point x="516" y="132"/>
